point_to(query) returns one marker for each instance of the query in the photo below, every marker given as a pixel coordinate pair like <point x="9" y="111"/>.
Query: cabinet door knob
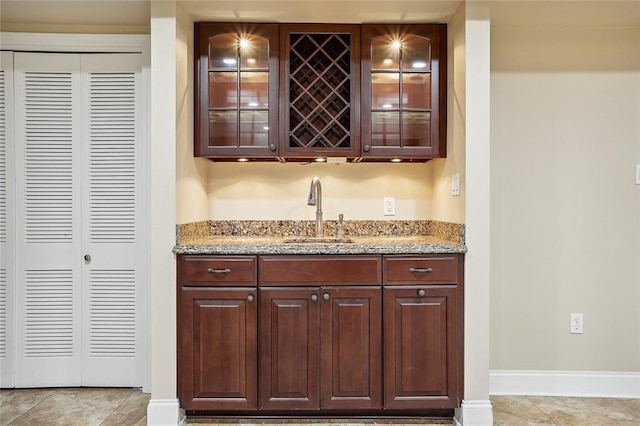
<point x="272" y="147"/>
<point x="421" y="270"/>
<point x="326" y="296"/>
<point x="367" y="148"/>
<point x="250" y="298"/>
<point x="314" y="297"/>
<point x="421" y="293"/>
<point x="87" y="259"/>
<point x="219" y="271"/>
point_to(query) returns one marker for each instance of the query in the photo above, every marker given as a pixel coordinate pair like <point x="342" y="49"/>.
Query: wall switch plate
<point x="576" y="324"/>
<point x="455" y="184"/>
<point x="637" y="174"/>
<point x="389" y="206"/>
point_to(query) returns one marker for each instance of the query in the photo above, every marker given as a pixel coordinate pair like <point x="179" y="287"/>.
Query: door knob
<point x="87" y="259"/>
<point x="325" y="296"/>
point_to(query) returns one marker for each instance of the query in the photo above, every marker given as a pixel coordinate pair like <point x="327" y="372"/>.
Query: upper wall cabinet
<point x="307" y="91"/>
<point x="404" y="90"/>
<point x="320" y="86"/>
<point x="236" y="90"/>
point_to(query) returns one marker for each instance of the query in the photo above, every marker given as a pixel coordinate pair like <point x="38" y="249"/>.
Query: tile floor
<point x="73" y="406"/>
<point x="115" y="406"/>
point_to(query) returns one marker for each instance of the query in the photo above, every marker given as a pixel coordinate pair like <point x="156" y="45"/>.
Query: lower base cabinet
<point x="316" y="334"/>
<point x="320" y="348"/>
<point x="421" y="362"/>
<point x="218" y="349"/>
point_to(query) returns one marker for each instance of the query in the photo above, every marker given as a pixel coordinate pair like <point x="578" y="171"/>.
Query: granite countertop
<point x="292" y="237"/>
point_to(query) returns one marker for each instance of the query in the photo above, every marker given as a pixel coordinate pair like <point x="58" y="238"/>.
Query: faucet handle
<point x="340" y="217"/>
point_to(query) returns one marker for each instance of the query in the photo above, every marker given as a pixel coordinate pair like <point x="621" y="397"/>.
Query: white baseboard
<point x="164" y="412"/>
<point x="603" y="384"/>
<point x="474" y="413"/>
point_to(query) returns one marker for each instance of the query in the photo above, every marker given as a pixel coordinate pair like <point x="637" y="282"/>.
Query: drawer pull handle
<point x="219" y="271"/>
<point x="314" y="297"/>
<point x="326" y="296"/>
<point x="421" y="270"/>
<point x="250" y="298"/>
<point x="421" y="293"/>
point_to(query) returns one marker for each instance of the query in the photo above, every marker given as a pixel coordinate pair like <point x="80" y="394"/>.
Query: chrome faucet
<point x="315" y="199"/>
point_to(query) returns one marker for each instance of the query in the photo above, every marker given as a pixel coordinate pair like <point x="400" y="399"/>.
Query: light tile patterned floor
<point x="73" y="406"/>
<point x="544" y="410"/>
<point x="113" y="406"/>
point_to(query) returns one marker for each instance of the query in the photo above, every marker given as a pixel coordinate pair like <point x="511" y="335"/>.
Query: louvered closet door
<point x="48" y="266"/>
<point x="7" y="226"/>
<point x="78" y="219"/>
<point x="111" y="219"/>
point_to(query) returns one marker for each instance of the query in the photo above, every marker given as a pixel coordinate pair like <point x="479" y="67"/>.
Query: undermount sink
<point x="318" y="240"/>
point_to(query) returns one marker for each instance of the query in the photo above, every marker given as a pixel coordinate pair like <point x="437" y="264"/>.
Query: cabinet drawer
<point x="320" y="270"/>
<point x="422" y="269"/>
<point x="201" y="270"/>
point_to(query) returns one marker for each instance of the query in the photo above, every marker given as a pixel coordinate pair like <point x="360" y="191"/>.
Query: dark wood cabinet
<point x="404" y="91"/>
<point x="351" y="348"/>
<point x="218" y="348"/>
<point x="217" y="332"/>
<point x="421" y="362"/>
<point x="360" y="334"/>
<point x="320" y="83"/>
<point x="305" y="91"/>
<point x="320" y="348"/>
<point x="423" y="331"/>
<point x="236" y="90"/>
<point x="320" y="345"/>
<point x="289" y="349"/>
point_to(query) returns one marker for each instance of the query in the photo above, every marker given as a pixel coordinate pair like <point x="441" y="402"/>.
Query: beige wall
<point x="446" y="207"/>
<point x="279" y="191"/>
<point x="191" y="172"/>
<point x="565" y="213"/>
<point x="72" y="16"/>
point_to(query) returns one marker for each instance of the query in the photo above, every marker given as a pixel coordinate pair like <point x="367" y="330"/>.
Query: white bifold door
<point x="77" y="171"/>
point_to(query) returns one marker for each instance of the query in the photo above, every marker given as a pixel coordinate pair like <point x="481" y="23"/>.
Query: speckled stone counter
<point x="291" y="237"/>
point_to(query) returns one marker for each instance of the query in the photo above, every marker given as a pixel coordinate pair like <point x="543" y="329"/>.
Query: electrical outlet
<point x="389" y="206"/>
<point x="576" y="324"/>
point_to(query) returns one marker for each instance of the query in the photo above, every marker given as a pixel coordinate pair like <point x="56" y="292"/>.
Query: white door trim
<point x="8" y="246"/>
<point x="111" y="43"/>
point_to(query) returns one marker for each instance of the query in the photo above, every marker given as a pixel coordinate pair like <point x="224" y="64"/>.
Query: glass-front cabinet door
<point x="236" y="90"/>
<point x="403" y="92"/>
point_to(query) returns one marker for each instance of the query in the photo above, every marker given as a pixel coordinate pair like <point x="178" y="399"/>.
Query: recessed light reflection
<point x="242" y="160"/>
<point x="320" y="160"/>
<point x="387" y="61"/>
<point x="386" y="105"/>
<point x="251" y="61"/>
<point x="253" y="104"/>
<point x="396" y="44"/>
<point x="244" y="43"/>
<point x="229" y="61"/>
<point x="395" y="160"/>
<point x="419" y="64"/>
